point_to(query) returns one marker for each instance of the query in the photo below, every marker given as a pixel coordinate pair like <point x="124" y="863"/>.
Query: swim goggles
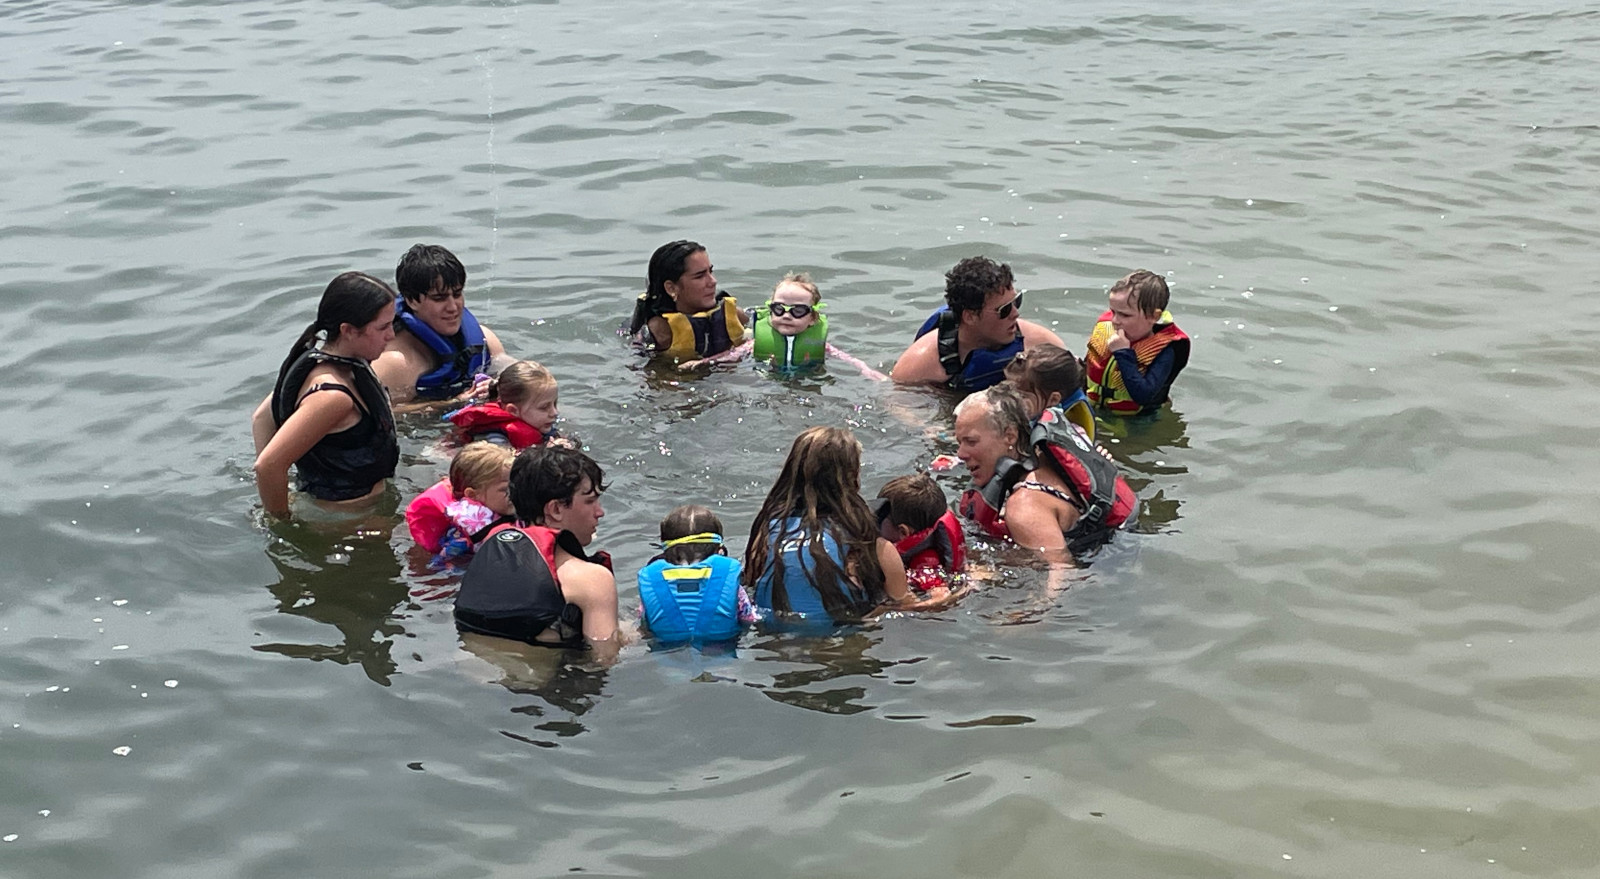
<point x="703" y="537"/>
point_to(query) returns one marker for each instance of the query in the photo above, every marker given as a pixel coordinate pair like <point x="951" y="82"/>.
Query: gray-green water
<point x="1356" y="636"/>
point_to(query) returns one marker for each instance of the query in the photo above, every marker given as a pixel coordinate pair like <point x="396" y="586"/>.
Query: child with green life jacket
<point x="790" y="332"/>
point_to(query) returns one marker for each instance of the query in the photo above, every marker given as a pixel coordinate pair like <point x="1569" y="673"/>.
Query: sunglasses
<point x="778" y="309"/>
<point x="1004" y="311"/>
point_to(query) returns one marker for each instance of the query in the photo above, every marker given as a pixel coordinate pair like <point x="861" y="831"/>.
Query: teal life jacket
<point x="695" y="603"/>
<point x="806" y="350"/>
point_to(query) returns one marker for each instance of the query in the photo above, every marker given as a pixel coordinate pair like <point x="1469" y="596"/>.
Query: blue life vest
<point x="796" y="591"/>
<point x="696" y="603"/>
<point x="984" y="367"/>
<point x="458" y="363"/>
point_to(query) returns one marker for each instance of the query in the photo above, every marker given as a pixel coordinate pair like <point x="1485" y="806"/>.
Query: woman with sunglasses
<point x="966" y="344"/>
<point x="790" y="332"/>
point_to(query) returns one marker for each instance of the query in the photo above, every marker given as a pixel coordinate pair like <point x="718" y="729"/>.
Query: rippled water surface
<point x="1355" y="635"/>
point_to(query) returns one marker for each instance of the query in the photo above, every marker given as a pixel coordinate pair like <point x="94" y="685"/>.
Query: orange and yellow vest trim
<point x="1106" y="387"/>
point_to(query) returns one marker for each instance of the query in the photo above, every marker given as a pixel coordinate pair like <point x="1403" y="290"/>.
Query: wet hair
<point x="423" y="266"/>
<point x="521" y="383"/>
<point x="477" y="465"/>
<point x="974" y="280"/>
<point x="686" y="521"/>
<point x="543" y="474"/>
<point x="352" y="298"/>
<point x="915" y="501"/>
<point x="820" y="484"/>
<point x="1002" y="407"/>
<point x="803" y="281"/>
<point x="666" y="264"/>
<point x="1044" y="369"/>
<point x="1147" y="291"/>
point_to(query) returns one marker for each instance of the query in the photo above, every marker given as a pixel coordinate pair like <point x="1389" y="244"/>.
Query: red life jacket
<point x="1103" y="498"/>
<point x="1105" y="386"/>
<point x="511" y="590"/>
<point x="481" y="418"/>
<point x="935" y="554"/>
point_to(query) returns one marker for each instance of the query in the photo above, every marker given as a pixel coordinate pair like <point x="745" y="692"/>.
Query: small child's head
<point x="1137" y="302"/>
<point x="1045" y="375"/>
<point x="914" y="502"/>
<point x="689" y="534"/>
<point x="793" y="307"/>
<point x="481" y="472"/>
<point x="528" y="391"/>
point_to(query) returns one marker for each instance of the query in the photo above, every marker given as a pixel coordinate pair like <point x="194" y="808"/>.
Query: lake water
<point x="1355" y="634"/>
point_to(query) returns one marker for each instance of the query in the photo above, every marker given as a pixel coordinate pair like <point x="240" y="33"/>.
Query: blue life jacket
<point x="796" y="591"/>
<point x="984" y="367"/>
<point x="696" y="603"/>
<point x="458" y="361"/>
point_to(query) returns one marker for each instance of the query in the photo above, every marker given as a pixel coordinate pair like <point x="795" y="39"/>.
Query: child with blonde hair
<point x="790" y="332"/>
<point x="449" y="518"/>
<point x="520" y="411"/>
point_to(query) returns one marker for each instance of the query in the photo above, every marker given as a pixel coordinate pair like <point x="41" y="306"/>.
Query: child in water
<point x="691" y="591"/>
<point x="790" y="332"/>
<point x="1136" y="350"/>
<point x="446" y="519"/>
<point x="520" y="411"/>
<point x="914" y="516"/>
<point x="1048" y="377"/>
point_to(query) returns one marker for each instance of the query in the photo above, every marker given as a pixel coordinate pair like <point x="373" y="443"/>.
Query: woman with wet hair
<point x="681" y="314"/>
<point x="328" y="414"/>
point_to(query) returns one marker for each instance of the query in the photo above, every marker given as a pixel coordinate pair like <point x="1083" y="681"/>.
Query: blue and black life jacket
<point x="460" y="357"/>
<point x="984" y="367"/>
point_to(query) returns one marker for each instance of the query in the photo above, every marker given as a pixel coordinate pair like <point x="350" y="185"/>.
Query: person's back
<point x="691" y="592"/>
<point x="1136" y="349"/>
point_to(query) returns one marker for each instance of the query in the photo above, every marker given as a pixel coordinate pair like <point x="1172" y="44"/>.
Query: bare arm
<point x="894" y="572"/>
<point x="835" y="352"/>
<point x="732" y="355"/>
<point x="492" y="342"/>
<point x="318" y="415"/>
<point x="262" y="427"/>
<point x="594" y="590"/>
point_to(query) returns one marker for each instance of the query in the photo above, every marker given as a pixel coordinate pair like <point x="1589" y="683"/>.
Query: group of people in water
<point x="521" y="504"/>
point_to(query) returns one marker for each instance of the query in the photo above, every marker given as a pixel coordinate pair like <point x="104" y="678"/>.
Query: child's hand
<point x="1117" y="341"/>
<point x="693" y="365"/>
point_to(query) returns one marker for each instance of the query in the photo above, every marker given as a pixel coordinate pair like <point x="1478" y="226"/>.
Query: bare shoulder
<point x="920" y="362"/>
<point x="660" y="331"/>
<point x="572" y="571"/>
<point x="492" y="341"/>
<point x="1038" y="334"/>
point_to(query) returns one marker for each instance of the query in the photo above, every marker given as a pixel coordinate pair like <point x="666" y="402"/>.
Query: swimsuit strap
<point x="1050" y="490"/>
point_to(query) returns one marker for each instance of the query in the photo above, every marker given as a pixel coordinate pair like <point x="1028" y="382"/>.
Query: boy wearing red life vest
<point x="1136" y="350"/>
<point x="914" y="516"/>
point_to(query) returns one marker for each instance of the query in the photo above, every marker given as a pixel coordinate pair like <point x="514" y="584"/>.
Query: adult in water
<point x="966" y="344"/>
<point x="1042" y="485"/>
<point x="681" y="314"/>
<point x="533" y="581"/>
<point x="438" y="346"/>
<point x="815" y="555"/>
<point x="328" y="414"/>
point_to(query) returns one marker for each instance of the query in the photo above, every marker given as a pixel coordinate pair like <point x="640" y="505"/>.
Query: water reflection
<point x="347" y="578"/>
<point x="823" y="659"/>
<point x="559" y="678"/>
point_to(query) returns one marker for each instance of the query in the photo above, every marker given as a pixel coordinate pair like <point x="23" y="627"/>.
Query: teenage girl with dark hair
<point x="328" y="414"/>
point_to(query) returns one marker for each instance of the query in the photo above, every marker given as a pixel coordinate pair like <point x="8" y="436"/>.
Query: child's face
<point x="540" y="412"/>
<point x="1128" y="320"/>
<point x="787" y="294"/>
<point x="496" y="495"/>
<point x="891" y="532"/>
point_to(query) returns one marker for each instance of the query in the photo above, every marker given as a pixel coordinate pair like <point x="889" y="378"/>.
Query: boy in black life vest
<point x="1136" y="350"/>
<point x="914" y="516"/>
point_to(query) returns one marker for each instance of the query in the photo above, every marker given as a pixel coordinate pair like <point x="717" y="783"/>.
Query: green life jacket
<point x="790" y="352"/>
